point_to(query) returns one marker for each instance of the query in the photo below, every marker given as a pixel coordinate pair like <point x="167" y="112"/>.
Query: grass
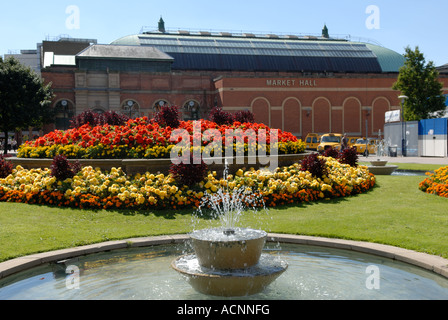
<point x="410" y="166"/>
<point x="395" y="212"/>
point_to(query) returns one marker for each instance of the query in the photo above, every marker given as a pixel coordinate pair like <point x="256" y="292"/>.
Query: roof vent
<point x="226" y="34"/>
<point x="184" y="32"/>
<point x="249" y="35"/>
<point x="272" y="36"/>
<point x="205" y="33"/>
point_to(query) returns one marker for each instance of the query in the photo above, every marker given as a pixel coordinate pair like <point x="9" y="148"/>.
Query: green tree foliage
<point x="418" y="81"/>
<point x="24" y="98"/>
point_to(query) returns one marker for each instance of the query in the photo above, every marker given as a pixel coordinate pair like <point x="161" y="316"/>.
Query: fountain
<point x="229" y="265"/>
<point x="380" y="167"/>
<point x="228" y="261"/>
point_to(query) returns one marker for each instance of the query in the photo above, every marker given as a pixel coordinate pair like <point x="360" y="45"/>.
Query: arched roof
<point x="270" y="53"/>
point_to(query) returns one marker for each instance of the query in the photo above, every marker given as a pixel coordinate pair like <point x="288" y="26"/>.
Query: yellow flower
<point x="140" y="199"/>
<point x="152" y="200"/>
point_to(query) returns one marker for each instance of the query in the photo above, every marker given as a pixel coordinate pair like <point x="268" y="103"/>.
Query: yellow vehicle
<point x="330" y="140"/>
<point x="366" y="146"/>
<point x="352" y="141"/>
<point x="312" y="141"/>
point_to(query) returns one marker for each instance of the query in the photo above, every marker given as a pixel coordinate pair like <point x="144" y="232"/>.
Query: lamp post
<point x="64" y="104"/>
<point x="367" y="133"/>
<point x="403" y="134"/>
<point x="129" y="107"/>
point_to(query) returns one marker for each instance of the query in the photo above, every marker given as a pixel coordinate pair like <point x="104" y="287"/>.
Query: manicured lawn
<point x="395" y="212"/>
<point x="408" y="166"/>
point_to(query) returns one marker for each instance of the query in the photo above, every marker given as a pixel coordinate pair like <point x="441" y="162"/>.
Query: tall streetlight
<point x="403" y="134"/>
<point x="64" y="105"/>
<point x="129" y="107"/>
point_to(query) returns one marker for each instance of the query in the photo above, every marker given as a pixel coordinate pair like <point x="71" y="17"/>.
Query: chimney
<point x="161" y="25"/>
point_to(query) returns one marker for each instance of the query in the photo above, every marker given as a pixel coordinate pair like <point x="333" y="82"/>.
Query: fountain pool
<point x="314" y="273"/>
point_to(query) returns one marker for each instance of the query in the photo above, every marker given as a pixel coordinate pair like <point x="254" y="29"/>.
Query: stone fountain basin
<point x="230" y="283"/>
<point x="215" y="250"/>
<point x="378" y="163"/>
<point x="380" y="168"/>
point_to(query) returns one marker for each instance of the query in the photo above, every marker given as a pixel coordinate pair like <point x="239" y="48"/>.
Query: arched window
<point x="65" y="111"/>
<point x="191" y="110"/>
<point x="131" y="108"/>
<point x="159" y="104"/>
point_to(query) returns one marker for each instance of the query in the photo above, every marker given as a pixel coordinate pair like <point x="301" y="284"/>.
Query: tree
<point x="24" y="98"/>
<point x="419" y="82"/>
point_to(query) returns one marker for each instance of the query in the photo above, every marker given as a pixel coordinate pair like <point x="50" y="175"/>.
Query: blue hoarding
<point x="433" y="127"/>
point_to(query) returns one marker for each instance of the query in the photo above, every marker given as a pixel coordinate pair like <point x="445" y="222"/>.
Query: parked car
<point x="352" y="141"/>
<point x="330" y="140"/>
<point x="312" y="140"/>
<point x="366" y="146"/>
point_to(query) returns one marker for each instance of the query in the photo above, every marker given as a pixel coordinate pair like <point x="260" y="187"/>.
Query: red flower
<point x="140" y="139"/>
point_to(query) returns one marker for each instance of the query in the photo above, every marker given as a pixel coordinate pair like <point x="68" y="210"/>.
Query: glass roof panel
<point x="265" y="54"/>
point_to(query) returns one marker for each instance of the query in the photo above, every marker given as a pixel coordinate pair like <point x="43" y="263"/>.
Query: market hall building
<point x="294" y="83"/>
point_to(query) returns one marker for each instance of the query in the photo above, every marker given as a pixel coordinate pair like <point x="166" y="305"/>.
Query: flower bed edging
<point x="134" y="166"/>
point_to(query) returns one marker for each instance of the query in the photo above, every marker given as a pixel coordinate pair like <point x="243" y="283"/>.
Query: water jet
<point x="228" y="261"/>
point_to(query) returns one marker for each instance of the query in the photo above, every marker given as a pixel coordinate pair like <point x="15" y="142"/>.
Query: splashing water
<point x="229" y="205"/>
<point x="382" y="147"/>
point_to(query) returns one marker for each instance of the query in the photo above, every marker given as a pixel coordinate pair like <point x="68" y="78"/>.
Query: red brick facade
<point x="304" y="105"/>
<point x="342" y="103"/>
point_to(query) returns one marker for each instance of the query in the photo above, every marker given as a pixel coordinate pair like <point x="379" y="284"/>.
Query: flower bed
<point x="96" y="189"/>
<point x="436" y="183"/>
<point x="142" y="139"/>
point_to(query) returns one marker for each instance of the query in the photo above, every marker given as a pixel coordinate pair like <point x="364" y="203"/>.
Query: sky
<point x="393" y="24"/>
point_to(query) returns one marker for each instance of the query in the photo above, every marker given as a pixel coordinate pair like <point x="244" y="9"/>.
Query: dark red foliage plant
<point x="315" y="165"/>
<point x="87" y="117"/>
<point x="5" y="167"/>
<point x="76" y="167"/>
<point x="330" y="152"/>
<point x="349" y="156"/>
<point x="245" y="116"/>
<point x="99" y="119"/>
<point x="220" y="117"/>
<point x="189" y="174"/>
<point x="113" y="118"/>
<point x="61" y="168"/>
<point x="168" y="116"/>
